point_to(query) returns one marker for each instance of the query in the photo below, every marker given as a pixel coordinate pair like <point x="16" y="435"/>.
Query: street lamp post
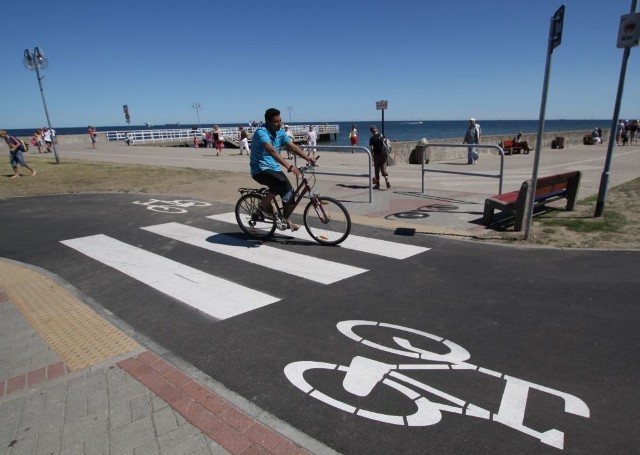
<point x="197" y="107"/>
<point x="289" y="108"/>
<point x="36" y="61"/>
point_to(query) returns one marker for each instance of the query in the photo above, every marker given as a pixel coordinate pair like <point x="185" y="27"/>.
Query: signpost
<point x="555" y="38"/>
<point x="628" y="37"/>
<point x="381" y="106"/>
<point x="125" y="108"/>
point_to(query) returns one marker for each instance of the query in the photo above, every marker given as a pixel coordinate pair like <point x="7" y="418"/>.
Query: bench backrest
<point x="508" y="143"/>
<point x="559" y="185"/>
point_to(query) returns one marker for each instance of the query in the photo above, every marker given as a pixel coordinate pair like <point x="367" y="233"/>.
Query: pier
<point x="185" y="136"/>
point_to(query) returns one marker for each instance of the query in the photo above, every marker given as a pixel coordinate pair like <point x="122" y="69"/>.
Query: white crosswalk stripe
<point x="386" y="248"/>
<point x="215" y="296"/>
<point x="318" y="270"/>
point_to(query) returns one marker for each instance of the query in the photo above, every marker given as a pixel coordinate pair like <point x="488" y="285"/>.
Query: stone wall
<point x="404" y="152"/>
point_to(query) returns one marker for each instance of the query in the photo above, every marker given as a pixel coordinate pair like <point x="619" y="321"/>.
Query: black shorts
<point x="277" y="182"/>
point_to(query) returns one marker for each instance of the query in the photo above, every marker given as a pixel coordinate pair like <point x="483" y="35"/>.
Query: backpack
<point x="21" y="144"/>
<point x="386" y="147"/>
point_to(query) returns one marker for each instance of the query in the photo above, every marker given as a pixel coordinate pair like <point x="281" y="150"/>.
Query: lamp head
<point x="35" y="60"/>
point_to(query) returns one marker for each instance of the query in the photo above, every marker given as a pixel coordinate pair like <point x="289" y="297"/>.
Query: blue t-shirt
<point x="261" y="159"/>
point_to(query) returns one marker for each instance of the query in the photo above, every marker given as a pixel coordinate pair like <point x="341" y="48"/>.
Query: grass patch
<point x="611" y="222"/>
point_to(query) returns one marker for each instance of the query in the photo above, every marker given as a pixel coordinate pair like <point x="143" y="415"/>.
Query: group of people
<point x="212" y="138"/>
<point x="627" y="132"/>
<point x="43" y="138"/>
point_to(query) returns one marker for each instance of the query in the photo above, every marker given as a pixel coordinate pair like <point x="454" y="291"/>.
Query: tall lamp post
<point x="197" y="107"/>
<point x="36" y="61"/>
<point x="289" y="108"/>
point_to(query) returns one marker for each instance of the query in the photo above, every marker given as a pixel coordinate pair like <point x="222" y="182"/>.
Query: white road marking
<point x="386" y="248"/>
<point x="220" y="298"/>
<point x="319" y="270"/>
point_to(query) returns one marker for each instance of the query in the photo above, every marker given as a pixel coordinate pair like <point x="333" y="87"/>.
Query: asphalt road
<point x="514" y="350"/>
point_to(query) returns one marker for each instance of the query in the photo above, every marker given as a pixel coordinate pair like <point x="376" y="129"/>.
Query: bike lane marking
<point x="379" y="247"/>
<point x="310" y="268"/>
<point x="215" y="296"/>
<point x="364" y="374"/>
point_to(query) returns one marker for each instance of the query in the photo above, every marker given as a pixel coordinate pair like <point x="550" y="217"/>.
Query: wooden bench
<point x="509" y="146"/>
<point x="548" y="189"/>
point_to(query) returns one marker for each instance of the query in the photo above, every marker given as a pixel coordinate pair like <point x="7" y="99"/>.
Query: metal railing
<point x="231" y="134"/>
<point x="497" y="147"/>
<point x="344" y="148"/>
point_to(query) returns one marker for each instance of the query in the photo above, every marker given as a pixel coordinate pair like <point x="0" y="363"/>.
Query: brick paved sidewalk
<point x="134" y="402"/>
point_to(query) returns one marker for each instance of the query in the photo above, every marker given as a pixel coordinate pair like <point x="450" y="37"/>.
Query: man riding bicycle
<point x="265" y="161"/>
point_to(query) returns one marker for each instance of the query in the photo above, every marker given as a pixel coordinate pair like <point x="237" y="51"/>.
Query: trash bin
<point x="421" y="146"/>
<point x="559" y="142"/>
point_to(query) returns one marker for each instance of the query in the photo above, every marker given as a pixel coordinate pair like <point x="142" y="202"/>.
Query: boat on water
<point x="172" y="125"/>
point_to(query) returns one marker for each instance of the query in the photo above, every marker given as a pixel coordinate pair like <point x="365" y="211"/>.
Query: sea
<point x="409" y="130"/>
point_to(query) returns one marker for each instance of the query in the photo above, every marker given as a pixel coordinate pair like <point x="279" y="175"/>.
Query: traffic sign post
<point x="628" y="36"/>
<point x="381" y="106"/>
<point x="555" y="38"/>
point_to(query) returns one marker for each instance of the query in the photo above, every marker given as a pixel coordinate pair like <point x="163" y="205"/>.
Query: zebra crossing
<point x="218" y="297"/>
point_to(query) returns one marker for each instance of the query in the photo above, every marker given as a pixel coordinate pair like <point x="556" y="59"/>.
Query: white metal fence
<point x="184" y="135"/>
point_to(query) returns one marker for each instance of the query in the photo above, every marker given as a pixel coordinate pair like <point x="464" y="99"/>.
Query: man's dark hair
<point x="270" y="113"/>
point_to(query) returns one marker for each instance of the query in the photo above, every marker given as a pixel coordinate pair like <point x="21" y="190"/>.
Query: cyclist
<point x="265" y="161"/>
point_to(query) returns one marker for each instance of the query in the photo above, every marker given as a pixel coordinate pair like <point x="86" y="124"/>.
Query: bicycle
<point x="326" y="220"/>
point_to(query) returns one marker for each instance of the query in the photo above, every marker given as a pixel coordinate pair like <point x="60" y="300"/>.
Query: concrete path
<point x="71" y="381"/>
<point x="453" y="198"/>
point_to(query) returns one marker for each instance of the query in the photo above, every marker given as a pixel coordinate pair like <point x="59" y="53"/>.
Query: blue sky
<point x="330" y="61"/>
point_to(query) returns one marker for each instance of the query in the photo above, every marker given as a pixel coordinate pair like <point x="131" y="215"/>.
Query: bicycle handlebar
<point x="308" y="166"/>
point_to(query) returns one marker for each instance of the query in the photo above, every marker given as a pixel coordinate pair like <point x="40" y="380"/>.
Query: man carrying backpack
<point x="16" y="148"/>
<point x="376" y="144"/>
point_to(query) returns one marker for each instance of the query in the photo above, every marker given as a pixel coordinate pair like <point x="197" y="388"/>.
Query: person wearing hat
<point x="472" y="136"/>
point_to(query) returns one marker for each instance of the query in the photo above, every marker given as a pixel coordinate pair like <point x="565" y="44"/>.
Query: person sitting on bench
<point x="518" y="142"/>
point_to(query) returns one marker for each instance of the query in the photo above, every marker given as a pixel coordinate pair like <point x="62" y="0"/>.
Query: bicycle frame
<point x="302" y="189"/>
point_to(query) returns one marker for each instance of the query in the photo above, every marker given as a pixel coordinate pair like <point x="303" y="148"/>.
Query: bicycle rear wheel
<point x="250" y="218"/>
<point x="327" y="220"/>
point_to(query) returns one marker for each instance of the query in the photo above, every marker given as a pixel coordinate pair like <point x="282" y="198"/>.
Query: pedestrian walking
<point x="472" y="136"/>
<point x="16" y="150"/>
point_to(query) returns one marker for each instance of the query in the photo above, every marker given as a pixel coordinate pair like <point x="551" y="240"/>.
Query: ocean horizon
<point x="396" y="130"/>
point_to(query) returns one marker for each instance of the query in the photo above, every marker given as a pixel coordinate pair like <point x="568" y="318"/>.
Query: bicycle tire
<point x="250" y="219"/>
<point x="330" y="224"/>
<point x="425" y="413"/>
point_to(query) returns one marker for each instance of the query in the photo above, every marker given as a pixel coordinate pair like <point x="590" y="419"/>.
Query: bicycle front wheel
<point x="327" y="220"/>
<point x="250" y="218"/>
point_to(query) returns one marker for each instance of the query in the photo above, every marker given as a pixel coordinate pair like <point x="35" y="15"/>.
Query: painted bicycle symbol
<point x="363" y="375"/>
<point x="178" y="206"/>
